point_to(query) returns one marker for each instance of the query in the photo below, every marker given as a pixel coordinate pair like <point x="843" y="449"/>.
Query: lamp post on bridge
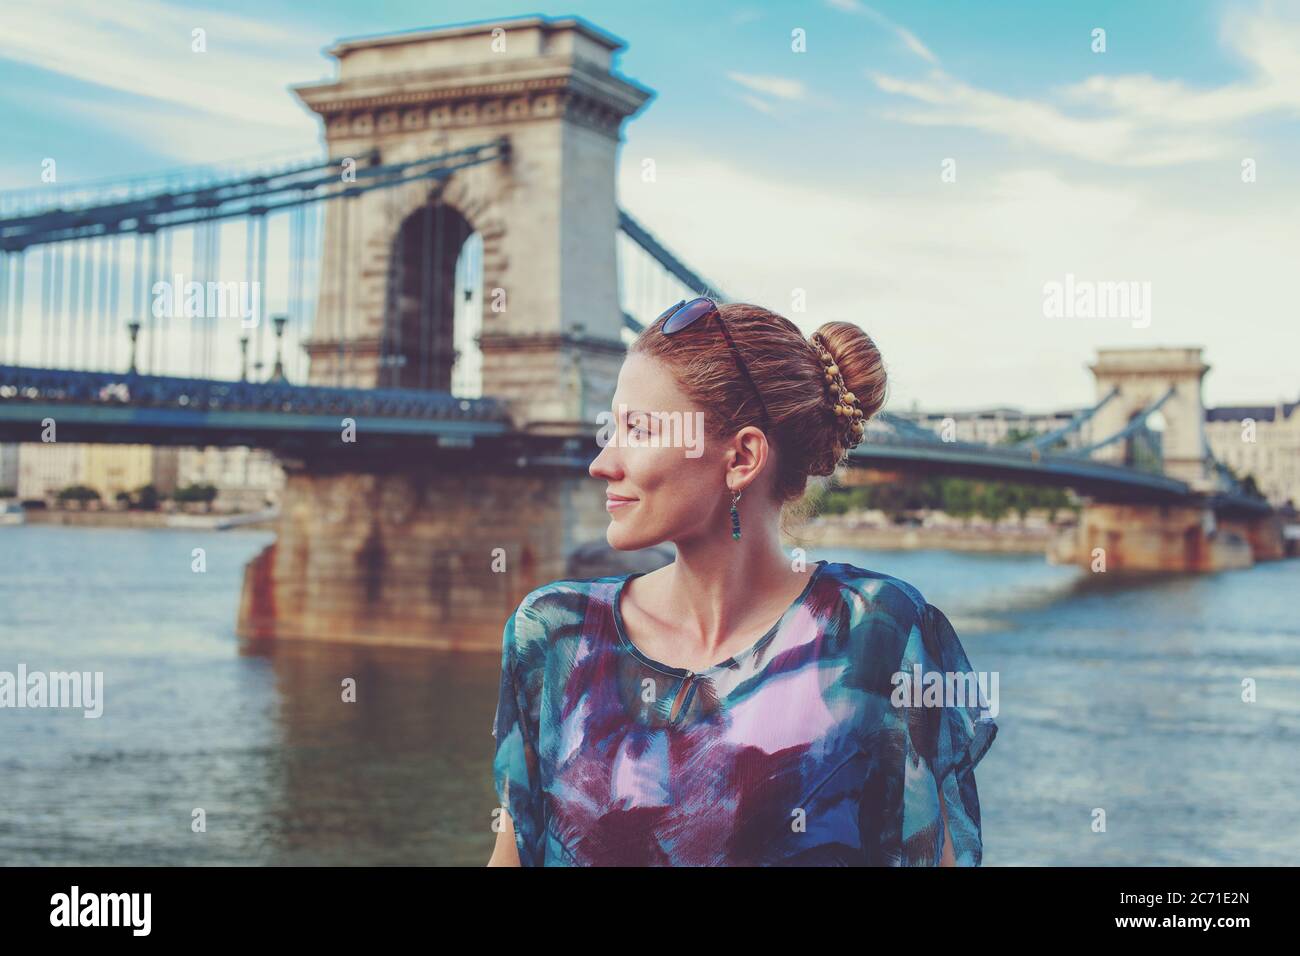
<point x="277" y="373"/>
<point x="243" y="358"/>
<point x="133" y="329"/>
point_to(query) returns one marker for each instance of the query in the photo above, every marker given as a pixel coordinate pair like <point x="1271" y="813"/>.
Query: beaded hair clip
<point x="847" y="409"/>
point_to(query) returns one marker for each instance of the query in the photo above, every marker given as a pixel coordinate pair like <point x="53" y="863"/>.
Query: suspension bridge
<point x="454" y="278"/>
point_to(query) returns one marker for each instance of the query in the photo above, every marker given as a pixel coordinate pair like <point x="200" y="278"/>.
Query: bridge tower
<point x="1142" y="377"/>
<point x="547" y="216"/>
<point x="437" y="548"/>
<point x="1195" y="535"/>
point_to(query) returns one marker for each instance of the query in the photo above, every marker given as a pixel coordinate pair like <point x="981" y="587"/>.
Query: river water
<point x="1119" y="696"/>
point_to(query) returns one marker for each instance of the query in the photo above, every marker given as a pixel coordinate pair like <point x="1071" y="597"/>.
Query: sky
<point x="926" y="170"/>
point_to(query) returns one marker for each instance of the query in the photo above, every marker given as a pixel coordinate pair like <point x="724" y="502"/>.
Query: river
<point x="1123" y="696"/>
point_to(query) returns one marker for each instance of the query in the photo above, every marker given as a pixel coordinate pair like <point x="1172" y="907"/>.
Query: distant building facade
<point x="117" y="469"/>
<point x="247" y="479"/>
<point x="166" y="465"/>
<point x="1262" y="441"/>
<point x="993" y="426"/>
<point x="46" y="468"/>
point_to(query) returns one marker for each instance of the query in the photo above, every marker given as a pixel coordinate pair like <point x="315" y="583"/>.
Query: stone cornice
<point x="513" y="25"/>
<point x="544" y="89"/>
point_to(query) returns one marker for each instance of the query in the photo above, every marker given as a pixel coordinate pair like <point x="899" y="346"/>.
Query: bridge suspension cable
<point x="907" y="429"/>
<point x="252" y="195"/>
<point x="1138" y="422"/>
<point x="653" y="293"/>
<point x="1043" y="442"/>
<point x="79" y="318"/>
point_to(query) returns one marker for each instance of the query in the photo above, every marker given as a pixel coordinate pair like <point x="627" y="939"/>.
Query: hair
<point x="800" y="391"/>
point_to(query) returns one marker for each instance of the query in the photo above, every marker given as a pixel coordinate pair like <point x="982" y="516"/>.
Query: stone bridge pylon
<point x="547" y="215"/>
<point x="438" y="552"/>
<point x="1192" y="536"/>
<point x="1142" y="376"/>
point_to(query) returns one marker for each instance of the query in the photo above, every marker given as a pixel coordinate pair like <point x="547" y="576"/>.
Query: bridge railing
<point x="59" y="386"/>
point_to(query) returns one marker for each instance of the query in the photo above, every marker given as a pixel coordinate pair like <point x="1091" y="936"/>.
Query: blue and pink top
<point x="804" y="750"/>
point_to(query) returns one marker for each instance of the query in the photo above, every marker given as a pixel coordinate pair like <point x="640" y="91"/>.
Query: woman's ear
<point x="748" y="454"/>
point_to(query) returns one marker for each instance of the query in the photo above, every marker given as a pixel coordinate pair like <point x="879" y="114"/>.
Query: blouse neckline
<point x="730" y="662"/>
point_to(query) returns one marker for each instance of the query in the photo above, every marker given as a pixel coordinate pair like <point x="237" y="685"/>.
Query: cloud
<point x="916" y="46"/>
<point x="1127" y="120"/>
<point x="1122" y="140"/>
<point x="143" y="48"/>
<point x="777" y="86"/>
<point x="180" y="135"/>
<point x="949" y="277"/>
<point x="908" y="38"/>
<point x="761" y="105"/>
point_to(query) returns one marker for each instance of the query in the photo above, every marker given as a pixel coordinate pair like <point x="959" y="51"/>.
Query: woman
<point x="735" y="707"/>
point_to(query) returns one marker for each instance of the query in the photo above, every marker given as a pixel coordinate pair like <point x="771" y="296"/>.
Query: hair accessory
<point x="844" y="404"/>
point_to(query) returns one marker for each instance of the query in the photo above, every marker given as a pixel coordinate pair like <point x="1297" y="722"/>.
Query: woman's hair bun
<point x="801" y="382"/>
<point x="855" y="387"/>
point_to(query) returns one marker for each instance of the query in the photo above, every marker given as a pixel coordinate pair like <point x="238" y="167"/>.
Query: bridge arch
<point x="422" y="341"/>
<point x="1144" y="448"/>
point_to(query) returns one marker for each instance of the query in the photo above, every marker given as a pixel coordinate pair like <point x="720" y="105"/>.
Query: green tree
<point x="197" y="493"/>
<point x="146" y="498"/>
<point x="80" y="494"/>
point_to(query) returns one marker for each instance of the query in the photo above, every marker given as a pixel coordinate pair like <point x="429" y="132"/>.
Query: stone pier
<point x="1166" y="538"/>
<point x="430" y="557"/>
<point x="1264" y="535"/>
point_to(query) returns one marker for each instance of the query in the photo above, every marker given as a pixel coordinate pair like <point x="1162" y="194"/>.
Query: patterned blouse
<point x="803" y="750"/>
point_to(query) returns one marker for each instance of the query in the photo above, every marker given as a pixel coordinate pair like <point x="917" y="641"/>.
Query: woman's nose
<point x="601" y="465"/>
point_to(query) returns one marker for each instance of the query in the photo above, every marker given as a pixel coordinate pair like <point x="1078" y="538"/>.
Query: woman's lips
<point x="614" y="502"/>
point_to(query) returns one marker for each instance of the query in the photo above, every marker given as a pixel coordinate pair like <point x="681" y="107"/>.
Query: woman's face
<point x="655" y="454"/>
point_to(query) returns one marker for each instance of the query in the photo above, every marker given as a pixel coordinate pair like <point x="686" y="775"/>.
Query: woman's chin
<point x="621" y="540"/>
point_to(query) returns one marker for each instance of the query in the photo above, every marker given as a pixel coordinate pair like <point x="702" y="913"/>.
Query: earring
<point x="735" y="517"/>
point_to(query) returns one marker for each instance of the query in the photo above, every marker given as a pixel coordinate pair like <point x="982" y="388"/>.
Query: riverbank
<point x="260" y="521"/>
<point x="835" y="531"/>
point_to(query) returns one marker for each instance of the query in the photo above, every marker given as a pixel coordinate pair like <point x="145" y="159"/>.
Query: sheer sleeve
<point x="515" y="729"/>
<point x="944" y="727"/>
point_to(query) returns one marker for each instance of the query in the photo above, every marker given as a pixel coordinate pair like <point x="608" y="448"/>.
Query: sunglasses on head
<point x="683" y="314"/>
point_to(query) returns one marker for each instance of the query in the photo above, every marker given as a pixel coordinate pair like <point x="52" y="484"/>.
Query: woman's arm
<point x="949" y="857"/>
<point x="505" y="853"/>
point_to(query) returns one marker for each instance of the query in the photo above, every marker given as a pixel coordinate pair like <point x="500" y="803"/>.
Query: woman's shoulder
<point x="559" y="603"/>
<point x="877" y="592"/>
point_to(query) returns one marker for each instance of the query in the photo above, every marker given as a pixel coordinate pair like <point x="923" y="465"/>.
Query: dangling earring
<point x="735" y="517"/>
